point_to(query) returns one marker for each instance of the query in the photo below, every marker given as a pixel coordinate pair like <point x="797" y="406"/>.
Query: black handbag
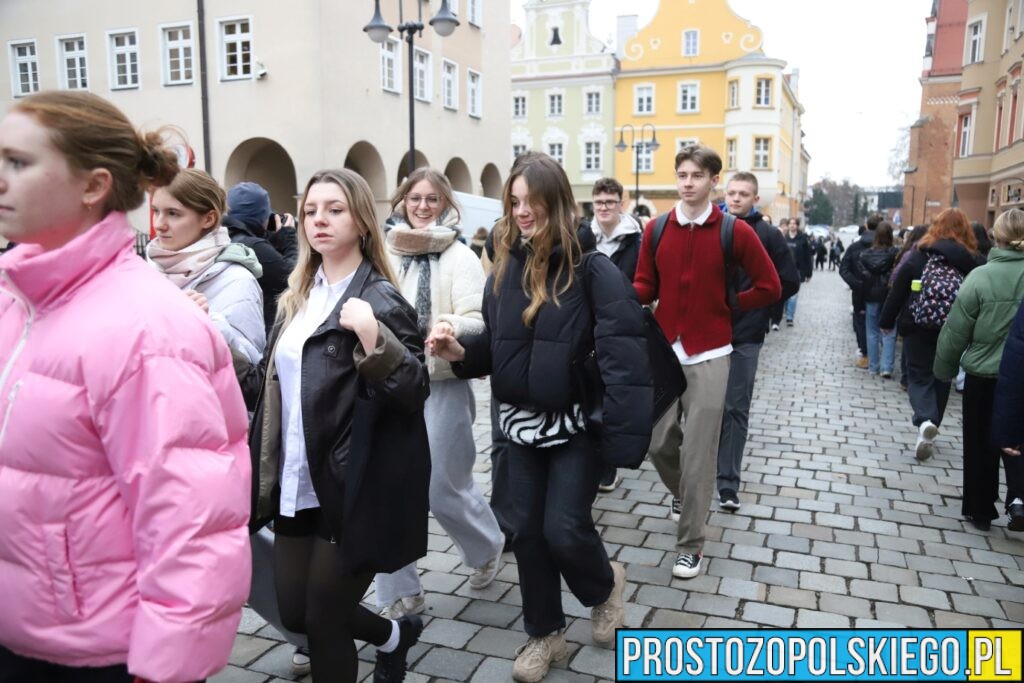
<point x="666" y="372"/>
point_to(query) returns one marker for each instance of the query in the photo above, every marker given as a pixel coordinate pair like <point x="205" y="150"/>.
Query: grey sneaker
<point x="608" y="616"/>
<point x="533" y="660"/>
<point x="399" y="608"/>
<point x="483" y="576"/>
<point x="925" y="446"/>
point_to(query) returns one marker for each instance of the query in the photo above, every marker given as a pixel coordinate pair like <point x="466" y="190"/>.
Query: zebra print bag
<point x="539" y="430"/>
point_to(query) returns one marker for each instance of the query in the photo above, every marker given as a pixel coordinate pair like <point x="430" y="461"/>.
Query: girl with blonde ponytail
<point x="339" y="444"/>
<point x="973" y="337"/>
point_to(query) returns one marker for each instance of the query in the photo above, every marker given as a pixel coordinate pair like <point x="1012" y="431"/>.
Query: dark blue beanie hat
<point x="249" y="203"/>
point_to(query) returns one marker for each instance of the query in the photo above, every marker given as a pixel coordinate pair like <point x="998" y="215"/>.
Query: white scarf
<point x="184" y="265"/>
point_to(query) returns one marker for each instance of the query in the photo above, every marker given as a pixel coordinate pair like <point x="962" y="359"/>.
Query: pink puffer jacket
<point x="124" y="470"/>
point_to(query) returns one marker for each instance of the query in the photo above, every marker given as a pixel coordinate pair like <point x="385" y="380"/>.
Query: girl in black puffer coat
<point x="546" y="307"/>
<point x="875" y="268"/>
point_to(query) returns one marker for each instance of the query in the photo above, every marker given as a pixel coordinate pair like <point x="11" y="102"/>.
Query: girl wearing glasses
<point x="339" y="447"/>
<point x="444" y="280"/>
<point x="545" y="305"/>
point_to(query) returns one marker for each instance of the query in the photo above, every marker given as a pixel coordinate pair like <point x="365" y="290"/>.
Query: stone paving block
<point x="822" y="582"/>
<point x="949" y="584"/>
<point x="670" y="618"/>
<point x="982" y="607"/>
<point x="730" y="569"/>
<point x="490" y="613"/>
<point x="999" y="591"/>
<point x="626" y="537"/>
<point x="233" y="674"/>
<point x="793" y="544"/>
<point x="651" y="558"/>
<point x="276" y="662"/>
<point x="950" y="552"/>
<point x="792" y="597"/>
<point x="595" y="661"/>
<point x="247" y="648"/>
<point x="833" y="520"/>
<point x="875" y="623"/>
<point x="886" y="574"/>
<point x="932" y="565"/>
<point x="835" y="551"/>
<point x="892" y="558"/>
<point x="441" y="582"/>
<point x="954" y="620"/>
<point x="742" y="589"/>
<point x="712" y="604"/>
<point x="981" y="572"/>
<point x="845" y="605"/>
<point x="772" y="615"/>
<point x="494" y="592"/>
<point x="799" y="562"/>
<point x="251" y="622"/>
<point x="747" y="538"/>
<point x="661" y="596"/>
<point x="993" y="558"/>
<point x="806" y="618"/>
<point x="777" y="577"/>
<point x="873" y="526"/>
<point x="450" y="633"/>
<point x="493" y="670"/>
<point x="444" y="662"/>
<point x="902" y="614"/>
<point x="746" y="553"/>
<point x="968" y="540"/>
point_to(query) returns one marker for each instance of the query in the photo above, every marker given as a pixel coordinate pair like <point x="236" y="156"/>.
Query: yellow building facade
<point x="696" y="73"/>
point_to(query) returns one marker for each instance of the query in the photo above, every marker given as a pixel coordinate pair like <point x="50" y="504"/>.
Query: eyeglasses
<point x="607" y="204"/>
<point x="432" y="200"/>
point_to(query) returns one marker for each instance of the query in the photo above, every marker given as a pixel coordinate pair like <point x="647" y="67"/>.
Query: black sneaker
<point x="610" y="481"/>
<point x="687" y="566"/>
<point x="676" y="510"/>
<point x="789" y="323"/>
<point x="728" y="500"/>
<point x="980" y="523"/>
<point x="391" y="665"/>
<point x="1016" y="512"/>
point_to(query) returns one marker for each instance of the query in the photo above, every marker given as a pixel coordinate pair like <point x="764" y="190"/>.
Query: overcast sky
<point x="859" y="66"/>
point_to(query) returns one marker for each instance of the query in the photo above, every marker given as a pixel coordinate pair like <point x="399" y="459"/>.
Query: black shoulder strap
<point x="659" y="230"/>
<point x="728" y="226"/>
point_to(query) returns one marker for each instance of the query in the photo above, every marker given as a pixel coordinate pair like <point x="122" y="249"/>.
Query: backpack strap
<point x="659" y="230"/>
<point x="726" y="234"/>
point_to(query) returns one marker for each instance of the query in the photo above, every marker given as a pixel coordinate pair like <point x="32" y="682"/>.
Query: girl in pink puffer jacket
<point x="124" y="470"/>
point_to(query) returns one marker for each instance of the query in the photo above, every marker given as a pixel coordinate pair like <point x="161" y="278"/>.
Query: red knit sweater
<point x="688" y="279"/>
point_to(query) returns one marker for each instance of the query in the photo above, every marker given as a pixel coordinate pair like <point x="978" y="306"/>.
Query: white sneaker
<point x="775" y="327"/>
<point x="483" y="576"/>
<point x="687" y="565"/>
<point x="300" y="661"/>
<point x="925" y="447"/>
<point x="534" y="659"/>
<point x="399" y="608"/>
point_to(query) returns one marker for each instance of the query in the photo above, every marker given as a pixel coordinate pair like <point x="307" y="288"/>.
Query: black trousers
<point x="17" y="669"/>
<point x="500" y="497"/>
<point x="860" y="329"/>
<point x="552" y="490"/>
<point x="928" y="396"/>
<point x="981" y="458"/>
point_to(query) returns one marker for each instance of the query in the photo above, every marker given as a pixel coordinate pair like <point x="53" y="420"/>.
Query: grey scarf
<point x="423" y="247"/>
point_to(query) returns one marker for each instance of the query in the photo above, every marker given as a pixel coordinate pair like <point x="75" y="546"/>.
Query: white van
<point x="477" y="212"/>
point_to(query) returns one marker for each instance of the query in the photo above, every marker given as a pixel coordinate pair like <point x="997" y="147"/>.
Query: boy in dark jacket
<point x="803" y="256"/>
<point x="748" y="330"/>
<point x="617" y="235"/>
<point x="687" y="276"/>
<point x="848" y="271"/>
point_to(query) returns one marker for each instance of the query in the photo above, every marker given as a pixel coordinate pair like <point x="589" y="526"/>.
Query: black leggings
<point x="17" y="669"/>
<point x="318" y="598"/>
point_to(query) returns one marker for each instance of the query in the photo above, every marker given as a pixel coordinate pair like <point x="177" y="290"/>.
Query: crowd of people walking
<point x="266" y="409"/>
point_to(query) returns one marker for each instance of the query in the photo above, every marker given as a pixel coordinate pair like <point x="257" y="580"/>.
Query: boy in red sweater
<point x="687" y="276"/>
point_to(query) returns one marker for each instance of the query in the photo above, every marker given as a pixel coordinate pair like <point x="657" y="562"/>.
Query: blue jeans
<point x="791" y="307"/>
<point x="879" y="341"/>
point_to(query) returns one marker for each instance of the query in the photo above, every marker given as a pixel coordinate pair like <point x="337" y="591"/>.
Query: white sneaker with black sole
<point x="676" y="509"/>
<point x="687" y="566"/>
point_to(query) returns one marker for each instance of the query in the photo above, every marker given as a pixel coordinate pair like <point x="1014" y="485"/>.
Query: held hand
<point x="357" y="315"/>
<point x="445" y="346"/>
<point x="440" y="329"/>
<point x="1012" y="451"/>
<point x="199" y="299"/>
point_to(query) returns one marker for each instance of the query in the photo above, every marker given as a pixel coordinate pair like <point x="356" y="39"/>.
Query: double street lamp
<point x="444" y="23"/>
<point x="651" y="146"/>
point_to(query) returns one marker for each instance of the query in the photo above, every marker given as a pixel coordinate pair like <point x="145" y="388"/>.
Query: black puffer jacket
<point x="803" y="253"/>
<point x="897" y="304"/>
<point x="276" y="252"/>
<point x="530" y="367"/>
<point x="874" y="270"/>
<point x="1008" y="410"/>
<point x="366" y="440"/>
<point x="848" y="268"/>
<point x="748" y="327"/>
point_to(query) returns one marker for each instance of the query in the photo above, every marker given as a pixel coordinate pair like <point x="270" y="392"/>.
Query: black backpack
<point x="726" y="235"/>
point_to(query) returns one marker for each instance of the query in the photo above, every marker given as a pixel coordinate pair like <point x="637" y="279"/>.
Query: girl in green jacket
<point x="973" y="336"/>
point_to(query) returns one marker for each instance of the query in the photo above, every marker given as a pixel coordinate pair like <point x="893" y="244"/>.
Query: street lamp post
<point x="651" y="145"/>
<point x="444" y="22"/>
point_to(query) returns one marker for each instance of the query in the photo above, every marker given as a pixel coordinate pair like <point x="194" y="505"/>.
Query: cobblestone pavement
<point x="840" y="527"/>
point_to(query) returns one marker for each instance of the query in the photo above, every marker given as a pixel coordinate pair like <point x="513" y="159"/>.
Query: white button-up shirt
<point x="684" y="358"/>
<point x="296" y="485"/>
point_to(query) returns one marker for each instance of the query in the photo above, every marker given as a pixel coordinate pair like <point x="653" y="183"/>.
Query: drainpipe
<point x="203" y="90"/>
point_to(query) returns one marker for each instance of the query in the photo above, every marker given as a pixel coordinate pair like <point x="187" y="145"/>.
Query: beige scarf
<point x="184" y="265"/>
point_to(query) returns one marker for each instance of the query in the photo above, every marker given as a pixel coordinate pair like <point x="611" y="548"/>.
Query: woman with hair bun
<point x="123" y="460"/>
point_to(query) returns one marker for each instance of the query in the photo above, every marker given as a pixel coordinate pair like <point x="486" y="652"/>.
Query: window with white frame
<point x="450" y="84"/>
<point x="556" y="150"/>
<point x="1008" y="32"/>
<point x="591" y="156"/>
<point x="24" y="68"/>
<point x="177" y="55"/>
<point x="474" y="93"/>
<point x="683" y="143"/>
<point x="236" y="48"/>
<point x="763" y="93"/>
<point x="73" y="72"/>
<point x="124" y="60"/>
<point x="421" y="85"/>
<point x="643" y="99"/>
<point x="518" y="150"/>
<point x="691" y="42"/>
<point x="390" y="53"/>
<point x="730" y="153"/>
<point x="519" y="107"/>
<point x="734" y="94"/>
<point x="975" y="35"/>
<point x="689" y="97"/>
<point x="645" y="157"/>
<point x="476" y="11"/>
<point x="762" y="152"/>
<point x="593" y="102"/>
<point x="555" y="104"/>
<point x="965" y="135"/>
